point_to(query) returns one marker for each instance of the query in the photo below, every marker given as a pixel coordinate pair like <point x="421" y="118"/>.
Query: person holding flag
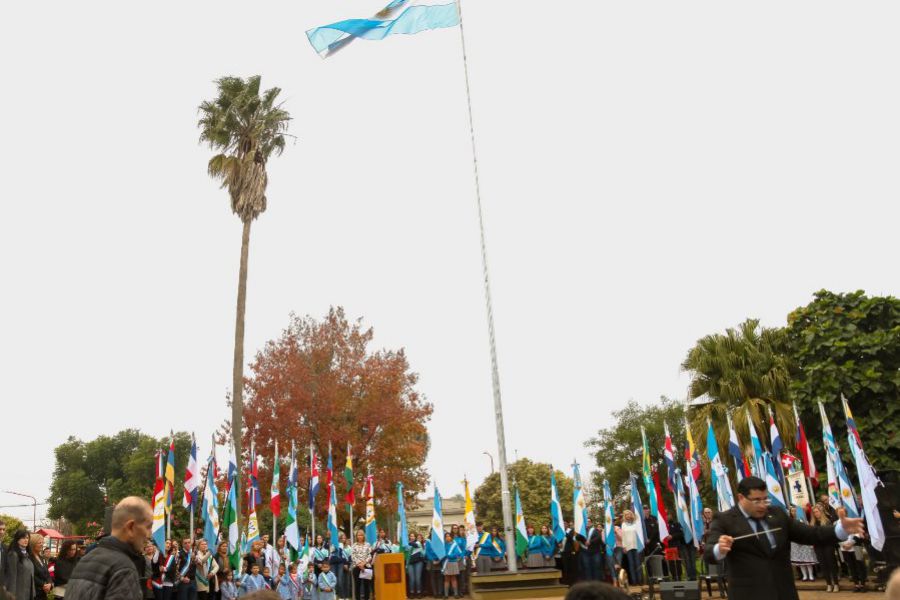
<point x="332" y="504"/>
<point x="868" y="481"/>
<point x="211" y="502"/>
<point x="556" y="515"/>
<point x="230" y="520"/>
<point x="719" y="477"/>
<point x="840" y="490"/>
<point x="191" y="484"/>
<point x="371" y="524"/>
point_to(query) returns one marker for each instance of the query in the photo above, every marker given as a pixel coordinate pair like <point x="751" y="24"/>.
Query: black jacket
<point x="654" y="546"/>
<point x="752" y="568"/>
<point x="62" y="570"/>
<point x="191" y="572"/>
<point x="112" y="571"/>
<point x="41" y="577"/>
<point x="593" y="543"/>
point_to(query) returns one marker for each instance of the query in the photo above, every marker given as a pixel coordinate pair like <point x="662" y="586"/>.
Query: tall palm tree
<point x="245" y="128"/>
<point x="745" y="370"/>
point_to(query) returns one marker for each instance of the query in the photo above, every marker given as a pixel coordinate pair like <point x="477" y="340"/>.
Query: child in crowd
<point x="327" y="582"/>
<point x="229" y="590"/>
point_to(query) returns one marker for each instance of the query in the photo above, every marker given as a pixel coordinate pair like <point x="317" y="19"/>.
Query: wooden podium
<point x="390" y="576"/>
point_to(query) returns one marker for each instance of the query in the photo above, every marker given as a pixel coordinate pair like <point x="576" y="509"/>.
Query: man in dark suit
<point x="591" y="555"/>
<point x="759" y="565"/>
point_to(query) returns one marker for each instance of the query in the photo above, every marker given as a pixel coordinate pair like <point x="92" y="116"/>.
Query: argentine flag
<point x="682" y="512"/>
<point x="759" y="462"/>
<point x="437" y="527"/>
<point x="403" y="542"/>
<point x="211" y="502"/>
<point x="398" y="17"/>
<point x="638" y="509"/>
<point x="579" y="506"/>
<point x="844" y="490"/>
<point x="556" y="515"/>
<point x="719" y="476"/>
<point x="609" y="531"/>
<point x="773" y="484"/>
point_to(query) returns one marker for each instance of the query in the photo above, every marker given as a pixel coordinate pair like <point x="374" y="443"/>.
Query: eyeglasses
<point x="763" y="500"/>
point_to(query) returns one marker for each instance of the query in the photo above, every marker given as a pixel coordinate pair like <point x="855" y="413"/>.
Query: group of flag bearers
<point x="474" y="547"/>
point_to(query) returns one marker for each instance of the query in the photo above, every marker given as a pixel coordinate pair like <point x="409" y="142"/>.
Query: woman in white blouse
<point x="629" y="544"/>
<point x="361" y="559"/>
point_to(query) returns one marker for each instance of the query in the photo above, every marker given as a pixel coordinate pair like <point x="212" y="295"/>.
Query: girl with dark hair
<point x="19" y="569"/>
<point x="65" y="563"/>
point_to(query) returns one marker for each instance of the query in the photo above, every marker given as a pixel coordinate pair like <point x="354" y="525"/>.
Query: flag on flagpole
<point x="809" y="465"/>
<point x="719" y="477"/>
<point x="350" y="498"/>
<point x="773" y="484"/>
<point x="579" y="508"/>
<point x="777" y="446"/>
<point x="437" y="527"/>
<point x="648" y="476"/>
<point x="313" y="479"/>
<point x="232" y="467"/>
<point x="868" y="481"/>
<point x="254" y="495"/>
<point x="734" y="449"/>
<point x="669" y="458"/>
<point x="303" y="556"/>
<point x="332" y="505"/>
<point x="759" y="461"/>
<point x="556" y="515"/>
<point x="415" y="18"/>
<point x="158" y="530"/>
<point x="252" y="522"/>
<point x="521" y="531"/>
<point x="697" y="526"/>
<point x="842" y="481"/>
<point x="469" y="519"/>
<point x="170" y="474"/>
<point x="275" y="496"/>
<point x="638" y="509"/>
<point x="291" y="529"/>
<point x="682" y="512"/>
<point x="211" y="502"/>
<point x="230" y="522"/>
<point x="662" y="519"/>
<point x="609" y="532"/>
<point x="403" y="542"/>
<point x="690" y="452"/>
<point x="191" y="477"/>
<point x="371" y="524"/>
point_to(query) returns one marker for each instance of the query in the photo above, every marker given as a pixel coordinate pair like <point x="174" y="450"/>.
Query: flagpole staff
<point x="495" y="373"/>
<point x="312" y="512"/>
<point x="274" y="518"/>
<point x="351" y="534"/>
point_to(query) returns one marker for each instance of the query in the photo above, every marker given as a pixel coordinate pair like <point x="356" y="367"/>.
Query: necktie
<point x="760" y="528"/>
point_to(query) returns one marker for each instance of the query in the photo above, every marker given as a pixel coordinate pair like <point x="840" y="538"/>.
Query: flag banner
<point x="371" y="524"/>
<point x="842" y="481"/>
<point x="437" y="527"/>
<point x="211" y="503"/>
<point x="759" y="461"/>
<point x="669" y="459"/>
<point x="662" y="519"/>
<point x="170" y="474"/>
<point x="275" y="495"/>
<point x="638" y="509"/>
<point x="348" y="477"/>
<point x="521" y="530"/>
<point x="868" y="481"/>
<point x="682" y="512"/>
<point x="809" y="466"/>
<point x="579" y="520"/>
<point x="254" y="495"/>
<point x="291" y="529"/>
<point x="158" y="529"/>
<point x="609" y="518"/>
<point x="469" y="520"/>
<point x="411" y="20"/>
<point x="773" y="484"/>
<point x="697" y="526"/>
<point x="648" y="477"/>
<point x="796" y="484"/>
<point x="720" y="483"/>
<point x="313" y="488"/>
<point x="403" y="534"/>
<point x="232" y="467"/>
<point x="777" y="445"/>
<point x="556" y="516"/>
<point x="191" y="477"/>
<point x="690" y="452"/>
<point x="230" y="523"/>
<point x="737" y="455"/>
<point x="332" y="502"/>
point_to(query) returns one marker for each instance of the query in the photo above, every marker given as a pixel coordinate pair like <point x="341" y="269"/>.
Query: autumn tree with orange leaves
<point x="321" y="382"/>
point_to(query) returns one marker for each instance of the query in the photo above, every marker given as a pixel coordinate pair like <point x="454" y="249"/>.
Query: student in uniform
<point x="415" y="566"/>
<point x="227" y="589"/>
<point x="535" y="558"/>
<point x="338" y="560"/>
<point x="288" y="586"/>
<point x="320" y="554"/>
<point x="549" y="550"/>
<point x="451" y="566"/>
<point x="252" y="582"/>
<point x="435" y="575"/>
<point x="326" y="583"/>
<point x="482" y="563"/>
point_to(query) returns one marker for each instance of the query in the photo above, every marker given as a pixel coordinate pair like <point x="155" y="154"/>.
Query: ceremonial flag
<point x="437" y="527"/>
<point x="414" y="18"/>
<point x="663" y="518"/>
<point x="609" y="532"/>
<point x="252" y="523"/>
<point x="777" y="445"/>
<point x="371" y="524"/>
<point x="842" y="481"/>
<point x="191" y="477"/>
<point x="211" y="502"/>
<point x="350" y="498"/>
<point x="332" y="506"/>
<point x="759" y="462"/>
<point x="734" y="449"/>
<point x="291" y="529"/>
<point x="303" y="557"/>
<point x="254" y="495"/>
<point x="719" y="476"/>
<point x="556" y="515"/>
<point x="669" y="458"/>
<point x="275" y="494"/>
<point x="682" y="512"/>
<point x="170" y="474"/>
<point x="809" y="466"/>
<point x="469" y="520"/>
<point x="579" y="521"/>
<point x="697" y="526"/>
<point x="158" y="530"/>
<point x="648" y="476"/>
<point x="313" y="479"/>
<point x="638" y="509"/>
<point x="401" y="510"/>
<point x="690" y="452"/>
<point x="230" y="523"/>
<point x="868" y="481"/>
<point x="521" y="530"/>
<point x="773" y="484"/>
<point x="232" y="467"/>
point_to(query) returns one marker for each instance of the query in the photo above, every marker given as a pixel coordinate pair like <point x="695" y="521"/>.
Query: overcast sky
<point x="651" y="172"/>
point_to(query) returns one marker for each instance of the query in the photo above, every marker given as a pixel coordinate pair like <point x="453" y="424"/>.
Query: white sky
<point x="651" y="172"/>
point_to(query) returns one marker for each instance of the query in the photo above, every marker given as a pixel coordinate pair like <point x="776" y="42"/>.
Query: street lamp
<point x="492" y="460"/>
<point x="34" y="507"/>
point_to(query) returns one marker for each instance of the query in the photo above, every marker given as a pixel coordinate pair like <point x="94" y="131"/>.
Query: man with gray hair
<point x="114" y="570"/>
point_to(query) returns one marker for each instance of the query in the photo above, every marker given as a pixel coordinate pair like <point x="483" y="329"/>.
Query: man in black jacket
<point x="591" y="556"/>
<point x="759" y="565"/>
<point x="113" y="570"/>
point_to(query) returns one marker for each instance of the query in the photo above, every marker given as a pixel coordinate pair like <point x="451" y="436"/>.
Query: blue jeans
<point x="414" y="577"/>
<point x="591" y="564"/>
<point x="633" y="566"/>
<point x="612" y="560"/>
<point x="187" y="591"/>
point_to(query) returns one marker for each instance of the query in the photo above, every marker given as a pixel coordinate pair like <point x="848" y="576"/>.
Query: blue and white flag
<point x="734" y="449"/>
<point x="719" y="478"/>
<point x="609" y="517"/>
<point x="773" y="484"/>
<point x="292" y="529"/>
<point x="398" y="17"/>
<point x="759" y="461"/>
<point x="682" y="512"/>
<point x="556" y="514"/>
<point x="868" y="481"/>
<point x="211" y="502"/>
<point x="777" y="446"/>
<point x="403" y="542"/>
<point x="844" y="489"/>
<point x="437" y="527"/>
<point x="638" y="509"/>
<point x="579" y="507"/>
<point x="697" y="526"/>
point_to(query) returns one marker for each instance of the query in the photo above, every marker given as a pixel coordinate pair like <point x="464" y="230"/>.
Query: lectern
<point x="390" y="576"/>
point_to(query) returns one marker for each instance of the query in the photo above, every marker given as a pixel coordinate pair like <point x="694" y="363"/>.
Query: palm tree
<point x="245" y="128"/>
<point x="743" y="371"/>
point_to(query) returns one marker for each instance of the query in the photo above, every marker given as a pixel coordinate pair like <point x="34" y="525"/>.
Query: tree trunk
<point x="237" y="384"/>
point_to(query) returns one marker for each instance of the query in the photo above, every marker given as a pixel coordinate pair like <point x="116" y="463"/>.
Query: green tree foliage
<point x="533" y="480"/>
<point x="850" y="343"/>
<point x="90" y="475"/>
<point x="12" y="526"/>
<point x="746" y="369"/>
<point x="618" y="449"/>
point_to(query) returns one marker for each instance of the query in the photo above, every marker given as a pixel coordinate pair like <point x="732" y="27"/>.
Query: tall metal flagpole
<point x="495" y="373"/>
<point x="274" y="518"/>
<point x="312" y="510"/>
